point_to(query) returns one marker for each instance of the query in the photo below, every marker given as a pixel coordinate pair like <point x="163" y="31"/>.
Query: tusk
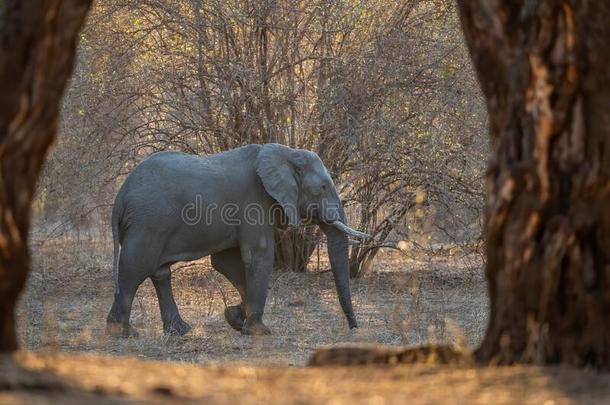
<point x="352" y="232"/>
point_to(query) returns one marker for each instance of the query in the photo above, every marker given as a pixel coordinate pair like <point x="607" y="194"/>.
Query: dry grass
<point x="70" y="292"/>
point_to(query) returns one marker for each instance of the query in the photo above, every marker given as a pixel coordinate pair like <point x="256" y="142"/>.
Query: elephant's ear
<point x="274" y="167"/>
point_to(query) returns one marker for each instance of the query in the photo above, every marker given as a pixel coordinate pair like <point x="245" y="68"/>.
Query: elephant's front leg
<point x="258" y="262"/>
<point x="230" y="264"/>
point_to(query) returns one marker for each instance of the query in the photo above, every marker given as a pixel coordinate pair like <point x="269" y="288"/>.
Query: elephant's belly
<point x="195" y="242"/>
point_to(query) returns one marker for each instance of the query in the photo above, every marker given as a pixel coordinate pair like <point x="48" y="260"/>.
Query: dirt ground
<point x="70" y="292"/>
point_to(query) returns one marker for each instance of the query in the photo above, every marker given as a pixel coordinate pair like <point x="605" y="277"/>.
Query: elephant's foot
<point x="254" y="326"/>
<point x="234" y="317"/>
<point x="116" y="329"/>
<point x="176" y="327"/>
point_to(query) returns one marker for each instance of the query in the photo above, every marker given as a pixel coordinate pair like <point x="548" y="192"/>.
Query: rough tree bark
<point x="37" y="47"/>
<point x="543" y="66"/>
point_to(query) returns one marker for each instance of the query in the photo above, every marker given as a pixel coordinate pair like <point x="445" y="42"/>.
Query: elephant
<point x="175" y="207"/>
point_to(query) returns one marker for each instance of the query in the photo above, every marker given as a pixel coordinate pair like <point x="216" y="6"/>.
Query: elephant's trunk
<point x="337" y="252"/>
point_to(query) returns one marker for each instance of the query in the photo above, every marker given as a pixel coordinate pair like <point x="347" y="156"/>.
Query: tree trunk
<point x="543" y="66"/>
<point x="37" y="47"/>
<point x="294" y="247"/>
<point x="361" y="260"/>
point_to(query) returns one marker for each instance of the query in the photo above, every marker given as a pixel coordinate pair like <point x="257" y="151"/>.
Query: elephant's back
<point x="166" y="178"/>
<point x="178" y="166"/>
<point x="169" y="165"/>
<point x="160" y="173"/>
<point x="164" y="183"/>
<point x="169" y="170"/>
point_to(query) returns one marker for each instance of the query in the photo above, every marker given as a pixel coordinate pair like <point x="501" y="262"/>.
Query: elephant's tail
<point x="116" y="239"/>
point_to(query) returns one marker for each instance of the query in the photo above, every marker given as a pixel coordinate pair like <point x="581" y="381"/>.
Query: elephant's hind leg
<point x="172" y="322"/>
<point x="128" y="283"/>
<point x="229" y="264"/>
<point x="117" y="323"/>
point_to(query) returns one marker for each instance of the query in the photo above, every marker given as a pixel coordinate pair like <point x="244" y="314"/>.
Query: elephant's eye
<point x="324" y="188"/>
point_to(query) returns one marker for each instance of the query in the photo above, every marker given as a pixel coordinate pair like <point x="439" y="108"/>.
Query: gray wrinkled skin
<point x="151" y="230"/>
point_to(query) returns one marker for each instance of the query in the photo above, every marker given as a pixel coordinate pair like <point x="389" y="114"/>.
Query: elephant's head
<point x="298" y="180"/>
